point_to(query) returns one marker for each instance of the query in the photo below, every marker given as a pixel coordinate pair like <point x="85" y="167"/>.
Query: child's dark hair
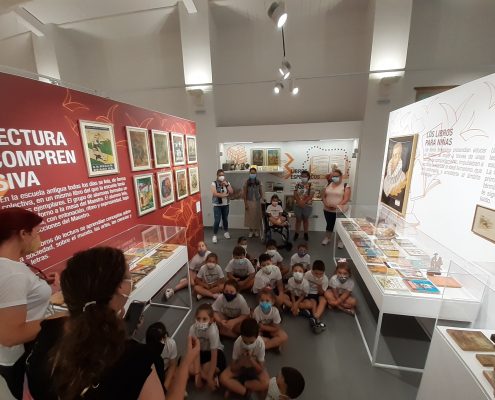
<point x="297" y="265"/>
<point x="305" y="172"/>
<point x="267" y="292"/>
<point x="271" y="242"/>
<point x="318" y="265"/>
<point x="274" y="197"/>
<point x="305" y="245"/>
<point x="212" y="255"/>
<point x="155" y="333"/>
<point x="205" y="307"/>
<point x="238" y="251"/>
<point x="241" y="239"/>
<point x="249" y="328"/>
<point x="233" y="283"/>
<point x="342" y="264"/>
<point x="264" y="257"/>
<point x="294" y="381"/>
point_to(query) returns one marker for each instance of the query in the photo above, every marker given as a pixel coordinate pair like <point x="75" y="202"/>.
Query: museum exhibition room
<point x="247" y="199"/>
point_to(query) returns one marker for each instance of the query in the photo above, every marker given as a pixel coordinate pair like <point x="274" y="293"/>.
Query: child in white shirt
<point x="230" y="309"/>
<point x="277" y="259"/>
<point x="274" y="211"/>
<point x="296" y="292"/>
<point x="288" y="384"/>
<point x="159" y="343"/>
<point x="269" y="276"/>
<point x="301" y="257"/>
<point x="195" y="264"/>
<point x="210" y="278"/>
<point x="268" y="318"/>
<point x="240" y="269"/>
<point x="339" y="295"/>
<point x="318" y="284"/>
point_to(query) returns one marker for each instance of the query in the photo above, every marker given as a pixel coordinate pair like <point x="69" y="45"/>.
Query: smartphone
<point x="133" y="315"/>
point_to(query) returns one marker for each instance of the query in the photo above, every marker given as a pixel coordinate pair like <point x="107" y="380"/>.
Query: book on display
<point x="422" y="286"/>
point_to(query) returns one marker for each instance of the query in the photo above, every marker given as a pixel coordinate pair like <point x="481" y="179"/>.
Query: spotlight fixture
<point x="278" y="88"/>
<point x="277" y="13"/>
<point x="284" y="69"/>
<point x="293" y="88"/>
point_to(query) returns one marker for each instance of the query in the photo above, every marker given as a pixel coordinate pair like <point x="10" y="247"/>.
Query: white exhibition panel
<point x="451" y="373"/>
<point x="454" y="165"/>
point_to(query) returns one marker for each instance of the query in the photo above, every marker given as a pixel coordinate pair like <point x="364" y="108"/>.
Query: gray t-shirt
<point x="299" y="289"/>
<point x="240" y="268"/>
<point x="209" y="339"/>
<point x="231" y="309"/>
<point x="210" y="275"/>
<point x="257" y="352"/>
<point x="262" y="280"/>
<point x="197" y="261"/>
<point x="305" y="261"/>
<point x="273" y="317"/>
<point x="348" y="285"/>
<point x="314" y="282"/>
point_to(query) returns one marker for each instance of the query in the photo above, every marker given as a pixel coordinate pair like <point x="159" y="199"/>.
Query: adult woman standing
<point x="24" y="296"/>
<point x="220" y="191"/>
<point x="336" y="194"/>
<point x="303" y="196"/>
<point x="87" y="354"/>
<point x="253" y="196"/>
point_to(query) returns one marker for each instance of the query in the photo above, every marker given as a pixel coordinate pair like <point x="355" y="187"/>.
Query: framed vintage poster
<point x="193" y="180"/>
<point x="165" y="188"/>
<point x="181" y="183"/>
<point x="139" y="148"/>
<point x="273" y="157"/>
<point x="152" y="236"/>
<point x="484" y="223"/>
<point x="178" y="149"/>
<point x="100" y="150"/>
<point x="192" y="153"/>
<point x="258" y="157"/>
<point x="396" y="180"/>
<point x="161" y="148"/>
<point x="145" y="193"/>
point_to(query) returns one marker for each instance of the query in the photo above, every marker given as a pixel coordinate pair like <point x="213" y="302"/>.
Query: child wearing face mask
<point x="165" y="350"/>
<point x="210" y="278"/>
<point x="240" y="269"/>
<point x="339" y="295"/>
<point x="243" y="242"/>
<point x="274" y="211"/>
<point x="269" y="276"/>
<point x="296" y="292"/>
<point x="301" y="257"/>
<point x="288" y="384"/>
<point x="318" y="284"/>
<point x="211" y="361"/>
<point x="230" y="309"/>
<point x="268" y="318"/>
<point x="303" y="196"/>
<point x="277" y="259"/>
<point x="195" y="264"/>
<point x="247" y="372"/>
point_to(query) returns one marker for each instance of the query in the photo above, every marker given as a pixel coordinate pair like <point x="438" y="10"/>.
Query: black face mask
<point x="229" y="296"/>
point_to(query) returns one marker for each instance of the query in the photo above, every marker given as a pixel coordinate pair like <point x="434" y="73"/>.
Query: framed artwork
<point x="151" y="236"/>
<point x="139" y="148"/>
<point x="161" y="148"/>
<point x="145" y="193"/>
<point x="165" y="188"/>
<point x="181" y="183"/>
<point x="192" y="153"/>
<point x="258" y="157"/>
<point x="273" y="157"/>
<point x="193" y="180"/>
<point x="100" y="150"/>
<point x="396" y="180"/>
<point x="178" y="149"/>
<point x="484" y="223"/>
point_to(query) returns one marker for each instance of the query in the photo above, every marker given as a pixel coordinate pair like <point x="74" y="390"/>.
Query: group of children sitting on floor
<point x="301" y="290"/>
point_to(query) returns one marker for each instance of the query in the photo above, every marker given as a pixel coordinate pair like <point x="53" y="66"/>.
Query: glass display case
<point x="157" y="256"/>
<point x="412" y="281"/>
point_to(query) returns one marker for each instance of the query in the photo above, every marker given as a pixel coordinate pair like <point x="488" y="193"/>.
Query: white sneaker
<point x="250" y="234"/>
<point x="199" y="297"/>
<point x="340" y="245"/>
<point x="169" y="293"/>
<point x="325" y="241"/>
<point x="214" y="239"/>
<point x="227" y="235"/>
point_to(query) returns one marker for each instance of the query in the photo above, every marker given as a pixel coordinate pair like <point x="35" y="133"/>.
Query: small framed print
<point x="145" y="193"/>
<point x="193" y="180"/>
<point x="273" y="157"/>
<point x="165" y="188"/>
<point x="258" y="157"/>
<point x="139" y="148"/>
<point x="178" y="149"/>
<point x="484" y="223"/>
<point x="152" y="236"/>
<point x="181" y="183"/>
<point x="161" y="148"/>
<point x="192" y="153"/>
<point x="99" y="147"/>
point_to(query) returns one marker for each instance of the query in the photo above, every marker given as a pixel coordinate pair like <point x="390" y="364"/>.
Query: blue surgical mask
<point x="239" y="261"/>
<point x="202" y="253"/>
<point x="335" y="179"/>
<point x="252" y="176"/>
<point x="266" y="306"/>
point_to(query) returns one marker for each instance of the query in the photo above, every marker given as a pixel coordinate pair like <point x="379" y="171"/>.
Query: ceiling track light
<point x="278" y="87"/>
<point x="277" y="13"/>
<point x="293" y="88"/>
<point x="285" y="69"/>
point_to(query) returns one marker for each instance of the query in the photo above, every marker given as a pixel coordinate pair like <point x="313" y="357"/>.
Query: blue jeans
<point x="221" y="213"/>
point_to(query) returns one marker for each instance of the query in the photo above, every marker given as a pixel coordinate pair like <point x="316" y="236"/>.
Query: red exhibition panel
<point x="43" y="167"/>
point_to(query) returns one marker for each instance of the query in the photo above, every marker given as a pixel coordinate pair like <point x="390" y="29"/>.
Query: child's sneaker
<point x="319" y="327"/>
<point x="325" y="241"/>
<point x="226" y="235"/>
<point x="305" y="313"/>
<point x="199" y="297"/>
<point x="340" y="245"/>
<point x="214" y="239"/>
<point x="168" y="294"/>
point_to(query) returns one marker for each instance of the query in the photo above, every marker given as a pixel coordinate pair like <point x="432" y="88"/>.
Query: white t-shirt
<point x="240" y="268"/>
<point x="341" y="287"/>
<point x="298" y="289"/>
<point x="197" y="261"/>
<point x="231" y="309"/>
<point x="222" y="201"/>
<point x="273" y="317"/>
<point x="314" y="282"/>
<point x="273" y="390"/>
<point x="209" y="339"/>
<point x="262" y="280"/>
<point x="274" y="211"/>
<point x="212" y="275"/>
<point x="276" y="257"/>
<point x="20" y="286"/>
<point x="258" y="351"/>
<point x="169" y="352"/>
<point x="305" y="261"/>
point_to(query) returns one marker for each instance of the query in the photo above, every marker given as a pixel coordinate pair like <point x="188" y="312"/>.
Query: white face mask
<point x="267" y="269"/>
<point x="202" y="326"/>
<point x="221" y="178"/>
<point x="248" y="346"/>
<point x="244" y="246"/>
<point x="271" y="252"/>
<point x="298" y="276"/>
<point x="210" y="265"/>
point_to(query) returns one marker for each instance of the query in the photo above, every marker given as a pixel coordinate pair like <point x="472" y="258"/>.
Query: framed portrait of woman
<point x="161" y="148"/>
<point x="139" y="148"/>
<point x="165" y="182"/>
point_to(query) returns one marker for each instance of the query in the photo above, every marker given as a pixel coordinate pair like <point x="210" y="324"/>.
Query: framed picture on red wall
<point x="193" y="180"/>
<point x="99" y="147"/>
<point x="181" y="183"/>
<point x="165" y="188"/>
<point x="139" y="148"/>
<point x="145" y="193"/>
<point x="192" y="154"/>
<point x="161" y="148"/>
<point x="178" y="149"/>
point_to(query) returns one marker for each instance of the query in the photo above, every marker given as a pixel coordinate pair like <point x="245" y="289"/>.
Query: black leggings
<point x="330" y="217"/>
<point x="14" y="376"/>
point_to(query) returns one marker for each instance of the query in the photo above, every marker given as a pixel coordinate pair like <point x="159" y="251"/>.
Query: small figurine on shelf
<point x="435" y="265"/>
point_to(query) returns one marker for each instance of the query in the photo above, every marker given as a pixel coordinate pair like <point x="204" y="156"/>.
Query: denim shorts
<point x="303" y="213"/>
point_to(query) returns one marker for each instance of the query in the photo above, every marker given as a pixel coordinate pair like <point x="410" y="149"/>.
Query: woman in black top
<point x="87" y="355"/>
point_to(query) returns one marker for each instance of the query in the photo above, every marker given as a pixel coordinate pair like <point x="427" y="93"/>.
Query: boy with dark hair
<point x="288" y="384"/>
<point x="240" y="269"/>
<point x="318" y="284"/>
<point x="269" y="276"/>
<point x="277" y="259"/>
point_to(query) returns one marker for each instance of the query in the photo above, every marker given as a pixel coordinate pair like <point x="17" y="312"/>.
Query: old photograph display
<point x="193" y="180"/>
<point x="139" y="148"/>
<point x="484" y="223"/>
<point x="145" y="193"/>
<point x="178" y="149"/>
<point x="161" y="148"/>
<point x="181" y="183"/>
<point x="192" y="152"/>
<point x="165" y="182"/>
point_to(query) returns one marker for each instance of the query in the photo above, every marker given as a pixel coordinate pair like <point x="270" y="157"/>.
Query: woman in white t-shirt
<point x="220" y="192"/>
<point x="336" y="194"/>
<point x="24" y="296"/>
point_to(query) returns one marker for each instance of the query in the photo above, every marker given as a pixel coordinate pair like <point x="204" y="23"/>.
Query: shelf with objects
<point x="461" y="361"/>
<point x="157" y="256"/>
<point x="408" y="280"/>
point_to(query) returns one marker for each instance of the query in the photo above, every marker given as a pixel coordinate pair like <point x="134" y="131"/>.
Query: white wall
<point x="17" y="52"/>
